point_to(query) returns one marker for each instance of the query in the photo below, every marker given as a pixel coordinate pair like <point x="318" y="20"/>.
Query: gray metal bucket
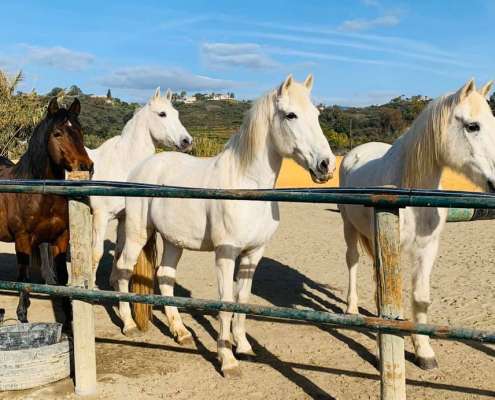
<point x="32" y="355"/>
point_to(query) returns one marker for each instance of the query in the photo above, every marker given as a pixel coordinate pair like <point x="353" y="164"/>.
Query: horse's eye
<point x="291" y="115"/>
<point x="57" y="134"/>
<point x="472" y="127"/>
<point x="162" y="114"/>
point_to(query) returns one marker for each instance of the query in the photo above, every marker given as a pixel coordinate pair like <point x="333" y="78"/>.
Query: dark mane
<point x="34" y="162"/>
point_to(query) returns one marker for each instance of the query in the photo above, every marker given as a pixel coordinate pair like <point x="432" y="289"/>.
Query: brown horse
<point x="28" y="220"/>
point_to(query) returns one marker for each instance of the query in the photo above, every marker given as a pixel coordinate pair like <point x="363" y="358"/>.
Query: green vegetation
<point x="210" y="122"/>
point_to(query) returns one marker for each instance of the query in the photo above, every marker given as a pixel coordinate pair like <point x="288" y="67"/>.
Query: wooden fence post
<point x="83" y="325"/>
<point x="389" y="301"/>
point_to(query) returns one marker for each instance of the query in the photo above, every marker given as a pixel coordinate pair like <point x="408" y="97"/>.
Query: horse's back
<point x="361" y="166"/>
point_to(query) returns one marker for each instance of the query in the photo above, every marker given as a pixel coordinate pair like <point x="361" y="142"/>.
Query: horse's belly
<point x="182" y="222"/>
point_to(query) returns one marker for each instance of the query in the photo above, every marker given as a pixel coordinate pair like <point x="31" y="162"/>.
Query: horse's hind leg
<point x="62" y="277"/>
<point x="137" y="236"/>
<point x="352" y="258"/>
<point x="166" y="280"/>
<point x="23" y="252"/>
<point x="119" y="247"/>
<point x="247" y="266"/>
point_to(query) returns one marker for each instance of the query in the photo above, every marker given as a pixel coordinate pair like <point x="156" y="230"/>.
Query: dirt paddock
<point x="304" y="267"/>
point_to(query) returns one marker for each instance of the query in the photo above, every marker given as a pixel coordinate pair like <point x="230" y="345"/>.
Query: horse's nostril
<point x="185" y="142"/>
<point x="323" y="165"/>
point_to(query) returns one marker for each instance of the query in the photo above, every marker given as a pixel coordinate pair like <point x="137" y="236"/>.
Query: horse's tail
<point x="142" y="282"/>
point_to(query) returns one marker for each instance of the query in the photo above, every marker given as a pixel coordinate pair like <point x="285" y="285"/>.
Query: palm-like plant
<point x="19" y="114"/>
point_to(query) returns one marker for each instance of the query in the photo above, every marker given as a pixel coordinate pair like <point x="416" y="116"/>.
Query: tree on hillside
<point x="183" y="94"/>
<point x="55" y="92"/>
<point x="74" y="91"/>
<point x="231" y="95"/>
<point x="109" y="94"/>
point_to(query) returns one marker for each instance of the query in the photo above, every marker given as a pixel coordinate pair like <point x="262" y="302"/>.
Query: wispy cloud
<point x="336" y="57"/>
<point x="56" y="57"/>
<point x="247" y="55"/>
<point x="353" y="45"/>
<point x="149" y="77"/>
<point x="362" y="24"/>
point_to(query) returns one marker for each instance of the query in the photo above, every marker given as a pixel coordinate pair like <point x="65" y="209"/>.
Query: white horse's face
<point x="164" y="123"/>
<point x="470" y="142"/>
<point x="297" y="132"/>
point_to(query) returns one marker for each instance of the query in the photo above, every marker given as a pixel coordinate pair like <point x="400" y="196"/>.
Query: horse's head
<point x="65" y="140"/>
<point x="469" y="142"/>
<point x="164" y="123"/>
<point x="297" y="133"/>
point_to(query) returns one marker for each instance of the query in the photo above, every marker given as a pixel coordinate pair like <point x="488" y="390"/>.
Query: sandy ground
<point x="303" y="267"/>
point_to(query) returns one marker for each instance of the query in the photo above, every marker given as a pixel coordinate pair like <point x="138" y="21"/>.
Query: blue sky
<point x="360" y="51"/>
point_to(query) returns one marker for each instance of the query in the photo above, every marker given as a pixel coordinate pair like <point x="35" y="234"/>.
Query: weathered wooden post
<point x="83" y="324"/>
<point x="389" y="301"/>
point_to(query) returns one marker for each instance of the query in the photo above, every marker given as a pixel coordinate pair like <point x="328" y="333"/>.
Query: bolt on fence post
<point x="83" y="324"/>
<point x="389" y="301"/>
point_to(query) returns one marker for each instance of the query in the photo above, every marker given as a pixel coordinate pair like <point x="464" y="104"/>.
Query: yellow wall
<point x="292" y="175"/>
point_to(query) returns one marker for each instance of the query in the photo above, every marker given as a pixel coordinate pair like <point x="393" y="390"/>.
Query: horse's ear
<point x="53" y="107"/>
<point x="168" y="95"/>
<point x="157" y="93"/>
<point x="75" y="107"/>
<point x="467" y="89"/>
<point x="308" y="82"/>
<point x="284" y="87"/>
<point x="486" y="89"/>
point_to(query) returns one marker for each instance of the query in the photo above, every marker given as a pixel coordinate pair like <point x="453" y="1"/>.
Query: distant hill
<point x="345" y="127"/>
<point x="212" y="122"/>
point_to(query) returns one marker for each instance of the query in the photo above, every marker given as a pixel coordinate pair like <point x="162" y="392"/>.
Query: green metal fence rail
<point x="344" y="321"/>
<point x="373" y="197"/>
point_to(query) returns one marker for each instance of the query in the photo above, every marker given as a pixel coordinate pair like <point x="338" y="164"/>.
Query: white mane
<point x="251" y="137"/>
<point x="427" y="134"/>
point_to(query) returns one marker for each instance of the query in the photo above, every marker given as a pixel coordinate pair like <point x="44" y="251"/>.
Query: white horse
<point x="282" y="123"/>
<point x="456" y="131"/>
<point x="155" y="123"/>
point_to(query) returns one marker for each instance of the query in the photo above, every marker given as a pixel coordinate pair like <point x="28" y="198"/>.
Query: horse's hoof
<point x="132" y="332"/>
<point x="185" y="340"/>
<point x="426" y="363"/>
<point x="233" y="372"/>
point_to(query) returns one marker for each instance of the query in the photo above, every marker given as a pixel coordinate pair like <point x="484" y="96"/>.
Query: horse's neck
<point x="136" y="136"/>
<point x="261" y="172"/>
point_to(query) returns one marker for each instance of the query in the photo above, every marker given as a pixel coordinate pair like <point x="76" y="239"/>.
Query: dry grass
<point x="205" y="146"/>
<point x="19" y="114"/>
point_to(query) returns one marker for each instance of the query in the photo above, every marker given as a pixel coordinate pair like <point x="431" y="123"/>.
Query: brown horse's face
<point x="65" y="141"/>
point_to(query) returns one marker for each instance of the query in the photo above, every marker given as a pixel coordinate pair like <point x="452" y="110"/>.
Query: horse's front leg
<point x="23" y="252"/>
<point x="423" y="263"/>
<point x="225" y="257"/>
<point x="245" y="273"/>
